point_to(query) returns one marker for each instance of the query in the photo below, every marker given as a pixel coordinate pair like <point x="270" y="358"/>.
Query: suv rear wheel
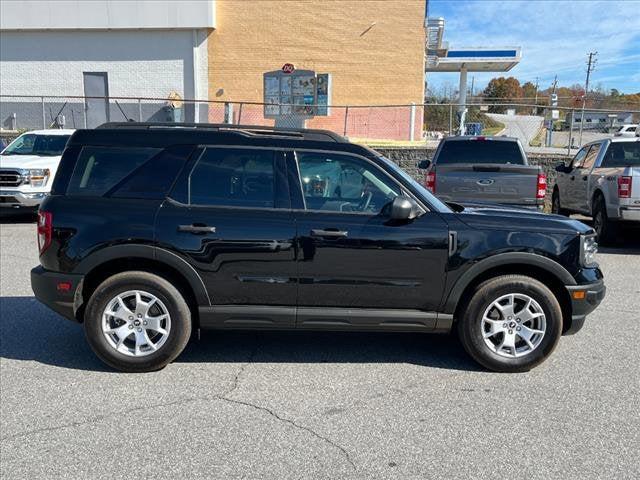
<point x="137" y="322"/>
<point x="511" y="324"/>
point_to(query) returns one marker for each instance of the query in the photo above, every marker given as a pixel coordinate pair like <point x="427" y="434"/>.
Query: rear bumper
<point x="17" y="199"/>
<point x="630" y="214"/>
<point x="594" y="293"/>
<point x="46" y="287"/>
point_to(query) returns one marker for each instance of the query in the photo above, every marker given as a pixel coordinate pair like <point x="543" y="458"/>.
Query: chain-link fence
<point x="552" y="129"/>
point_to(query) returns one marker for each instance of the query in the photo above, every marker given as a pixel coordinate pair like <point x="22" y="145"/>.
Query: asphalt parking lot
<point x="294" y="405"/>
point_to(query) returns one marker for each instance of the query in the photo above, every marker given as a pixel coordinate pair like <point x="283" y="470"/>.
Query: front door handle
<point x="573" y="177"/>
<point x="329" y="233"/>
<point x="196" y="228"/>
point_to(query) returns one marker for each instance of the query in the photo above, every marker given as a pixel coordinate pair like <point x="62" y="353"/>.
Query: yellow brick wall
<point x="384" y="65"/>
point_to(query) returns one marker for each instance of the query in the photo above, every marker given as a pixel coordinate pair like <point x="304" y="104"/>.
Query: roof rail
<point x="248" y="130"/>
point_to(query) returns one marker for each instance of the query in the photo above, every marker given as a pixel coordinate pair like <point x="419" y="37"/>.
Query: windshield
<point x="33" y="144"/>
<point x="480" y="151"/>
<point x="437" y="204"/>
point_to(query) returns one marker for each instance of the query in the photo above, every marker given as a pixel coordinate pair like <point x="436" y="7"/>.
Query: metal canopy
<point x="477" y="59"/>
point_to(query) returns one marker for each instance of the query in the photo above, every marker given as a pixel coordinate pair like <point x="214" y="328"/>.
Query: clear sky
<point x="555" y="36"/>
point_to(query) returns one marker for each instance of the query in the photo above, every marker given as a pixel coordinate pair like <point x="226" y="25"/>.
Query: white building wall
<point x="107" y="14"/>
<point x="138" y="63"/>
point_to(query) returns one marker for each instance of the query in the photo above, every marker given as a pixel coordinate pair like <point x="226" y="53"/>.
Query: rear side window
<point x="233" y="177"/>
<point x="480" y="151"/>
<point x="622" y="154"/>
<point x="99" y="169"/>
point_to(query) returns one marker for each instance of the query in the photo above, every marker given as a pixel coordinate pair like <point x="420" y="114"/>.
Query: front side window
<point x="233" y="177"/>
<point x="579" y="158"/>
<point x="41" y="145"/>
<point x="590" y="158"/>
<point x="341" y="183"/>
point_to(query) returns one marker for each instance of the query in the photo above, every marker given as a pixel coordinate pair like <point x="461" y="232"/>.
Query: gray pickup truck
<point x="602" y="181"/>
<point x="484" y="169"/>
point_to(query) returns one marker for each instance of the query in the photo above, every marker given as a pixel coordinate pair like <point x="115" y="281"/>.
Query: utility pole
<point x="535" y="102"/>
<point x="591" y="65"/>
<point x="473" y="79"/>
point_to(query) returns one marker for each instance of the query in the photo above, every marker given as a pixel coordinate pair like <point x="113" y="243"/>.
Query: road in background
<point x="306" y="405"/>
<point x="523" y="127"/>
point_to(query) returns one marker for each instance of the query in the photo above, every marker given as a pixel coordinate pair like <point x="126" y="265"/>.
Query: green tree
<point x="502" y="90"/>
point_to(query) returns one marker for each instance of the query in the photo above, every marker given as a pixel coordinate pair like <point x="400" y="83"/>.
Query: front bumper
<point x="46" y="286"/>
<point x="584" y="300"/>
<point x="17" y="199"/>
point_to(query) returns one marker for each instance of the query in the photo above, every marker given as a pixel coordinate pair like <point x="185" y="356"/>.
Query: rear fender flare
<point x="148" y="252"/>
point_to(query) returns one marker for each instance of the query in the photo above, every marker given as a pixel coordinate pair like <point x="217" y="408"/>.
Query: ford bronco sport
<point x="153" y="230"/>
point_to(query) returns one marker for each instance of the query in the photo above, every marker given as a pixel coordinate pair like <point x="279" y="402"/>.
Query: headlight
<point x="588" y="250"/>
<point x="38" y="177"/>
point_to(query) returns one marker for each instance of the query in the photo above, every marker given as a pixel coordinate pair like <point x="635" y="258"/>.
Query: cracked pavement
<point x="281" y="405"/>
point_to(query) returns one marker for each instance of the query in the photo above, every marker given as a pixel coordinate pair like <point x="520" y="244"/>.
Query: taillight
<point x="541" y="188"/>
<point x="45" y="229"/>
<point x="430" y="181"/>
<point x="624" y="187"/>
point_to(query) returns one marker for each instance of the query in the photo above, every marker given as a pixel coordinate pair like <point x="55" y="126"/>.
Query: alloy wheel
<point x="136" y="323"/>
<point x="513" y="325"/>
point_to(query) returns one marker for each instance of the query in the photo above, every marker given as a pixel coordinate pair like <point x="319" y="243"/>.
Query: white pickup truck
<point x="603" y="182"/>
<point x="28" y="166"/>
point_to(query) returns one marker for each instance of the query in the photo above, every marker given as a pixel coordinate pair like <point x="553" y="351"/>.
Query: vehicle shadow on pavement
<point x="31" y="332"/>
<point x="15" y="217"/>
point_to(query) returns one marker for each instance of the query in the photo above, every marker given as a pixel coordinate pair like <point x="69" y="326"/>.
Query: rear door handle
<point x="330" y="233"/>
<point x="196" y="228"/>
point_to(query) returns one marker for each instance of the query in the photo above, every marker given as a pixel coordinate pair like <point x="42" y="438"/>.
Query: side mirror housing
<point x="562" y="168"/>
<point x="424" y="164"/>
<point x="403" y="208"/>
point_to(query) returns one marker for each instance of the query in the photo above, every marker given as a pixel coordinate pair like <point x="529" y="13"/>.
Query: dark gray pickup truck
<point x="485" y="169"/>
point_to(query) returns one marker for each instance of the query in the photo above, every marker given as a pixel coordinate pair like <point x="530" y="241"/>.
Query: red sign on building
<point x="288" y="68"/>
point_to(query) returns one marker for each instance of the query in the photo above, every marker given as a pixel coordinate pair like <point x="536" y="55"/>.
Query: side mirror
<point x="562" y="168"/>
<point x="424" y="164"/>
<point x="403" y="208"/>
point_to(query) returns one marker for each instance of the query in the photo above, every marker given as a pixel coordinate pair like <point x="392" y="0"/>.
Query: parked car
<point x="28" y="166"/>
<point x="152" y="231"/>
<point x="629" y="130"/>
<point x="602" y="181"/>
<point x="485" y="169"/>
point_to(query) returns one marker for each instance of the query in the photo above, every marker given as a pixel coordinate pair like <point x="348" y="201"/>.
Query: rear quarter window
<point x="99" y="169"/>
<point x="480" y="151"/>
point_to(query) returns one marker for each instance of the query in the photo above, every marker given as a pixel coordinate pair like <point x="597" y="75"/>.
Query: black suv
<point x="152" y="231"/>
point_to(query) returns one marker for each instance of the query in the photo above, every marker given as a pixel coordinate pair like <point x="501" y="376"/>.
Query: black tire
<point x="178" y="334"/>
<point x="555" y="204"/>
<point x="606" y="230"/>
<point x="470" y="331"/>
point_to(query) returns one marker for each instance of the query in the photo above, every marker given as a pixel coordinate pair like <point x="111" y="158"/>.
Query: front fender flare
<point x="502" y="260"/>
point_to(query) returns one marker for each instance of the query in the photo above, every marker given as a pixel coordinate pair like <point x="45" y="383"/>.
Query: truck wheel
<point x="555" y="204"/>
<point x="137" y="322"/>
<point x="511" y="324"/>
<point x="606" y="230"/>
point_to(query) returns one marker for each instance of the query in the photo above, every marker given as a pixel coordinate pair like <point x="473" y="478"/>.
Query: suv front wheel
<point x="511" y="324"/>
<point x="137" y="322"/>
